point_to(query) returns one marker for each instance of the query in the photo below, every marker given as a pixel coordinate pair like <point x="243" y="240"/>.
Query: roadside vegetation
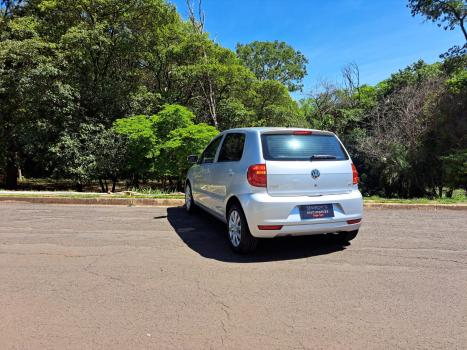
<point x="107" y="92"/>
<point x="78" y="195"/>
<point x="458" y="197"/>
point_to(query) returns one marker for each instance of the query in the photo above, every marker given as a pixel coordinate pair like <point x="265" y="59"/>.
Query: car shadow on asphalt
<point x="208" y="237"/>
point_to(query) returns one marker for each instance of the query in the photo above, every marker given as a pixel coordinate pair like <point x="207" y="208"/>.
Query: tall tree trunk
<point x="11" y="178"/>
<point x="102" y="185"/>
<point x="197" y="21"/>
<point x="12" y="161"/>
<point x="114" y="183"/>
<point x="211" y="98"/>
<point x="20" y="175"/>
<point x="464" y="31"/>
<point x="449" y="192"/>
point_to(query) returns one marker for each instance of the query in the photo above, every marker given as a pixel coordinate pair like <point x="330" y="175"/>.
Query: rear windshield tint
<point x="302" y="147"/>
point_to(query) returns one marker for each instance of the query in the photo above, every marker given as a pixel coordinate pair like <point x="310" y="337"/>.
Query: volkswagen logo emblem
<point x="315" y="173"/>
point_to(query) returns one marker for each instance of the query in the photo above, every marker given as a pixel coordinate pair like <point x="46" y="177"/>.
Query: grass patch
<point x="457" y="198"/>
<point x="148" y="191"/>
<point x="93" y="195"/>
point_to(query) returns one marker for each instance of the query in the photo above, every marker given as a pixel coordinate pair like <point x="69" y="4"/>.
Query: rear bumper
<point x="262" y="209"/>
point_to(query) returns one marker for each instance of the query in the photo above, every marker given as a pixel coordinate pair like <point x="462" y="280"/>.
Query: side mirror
<point x="192" y="159"/>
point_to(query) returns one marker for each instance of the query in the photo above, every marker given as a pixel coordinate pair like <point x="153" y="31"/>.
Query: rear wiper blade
<point x="322" y="156"/>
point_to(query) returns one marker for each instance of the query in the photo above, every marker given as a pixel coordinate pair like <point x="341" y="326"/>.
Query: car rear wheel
<point x="240" y="237"/>
<point x="189" y="201"/>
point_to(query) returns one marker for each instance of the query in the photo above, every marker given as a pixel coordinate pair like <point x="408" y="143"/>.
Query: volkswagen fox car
<point x="272" y="182"/>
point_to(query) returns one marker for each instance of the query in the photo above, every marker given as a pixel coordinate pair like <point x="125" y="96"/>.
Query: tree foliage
<point x="181" y="143"/>
<point x="447" y="14"/>
<point x="159" y="145"/>
<point x="274" y="61"/>
<point x="406" y="134"/>
<point x="34" y="97"/>
<point x="68" y="64"/>
<point x="138" y="132"/>
<point x="109" y="90"/>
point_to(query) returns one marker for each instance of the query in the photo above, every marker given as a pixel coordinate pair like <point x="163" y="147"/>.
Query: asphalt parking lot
<point x="110" y="277"/>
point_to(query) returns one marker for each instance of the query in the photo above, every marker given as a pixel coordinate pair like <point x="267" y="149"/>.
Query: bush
<point x="138" y="131"/>
<point x="158" y="145"/>
<point x="182" y="143"/>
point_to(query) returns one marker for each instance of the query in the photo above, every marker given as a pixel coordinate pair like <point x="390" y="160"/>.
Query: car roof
<point x="275" y="129"/>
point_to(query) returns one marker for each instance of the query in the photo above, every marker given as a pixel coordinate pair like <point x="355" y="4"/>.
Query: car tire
<point x="346" y="237"/>
<point x="240" y="238"/>
<point x="190" y="205"/>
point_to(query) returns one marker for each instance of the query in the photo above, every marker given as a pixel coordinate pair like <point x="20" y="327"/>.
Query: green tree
<point x="157" y="146"/>
<point x="180" y="144"/>
<point x="455" y="171"/>
<point x="273" y="106"/>
<point x="67" y="64"/>
<point x="179" y="137"/>
<point x="92" y="153"/>
<point x="447" y="14"/>
<point x="414" y="74"/>
<point x="206" y="75"/>
<point x="171" y="117"/>
<point x="338" y="109"/>
<point x="35" y="99"/>
<point x="106" y="45"/>
<point x="9" y="7"/>
<point x="274" y="61"/>
<point x="74" y="155"/>
<point x="142" y="149"/>
<point x="235" y="114"/>
<point x="111" y="151"/>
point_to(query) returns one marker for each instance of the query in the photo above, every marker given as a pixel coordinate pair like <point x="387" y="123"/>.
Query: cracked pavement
<point x="111" y="277"/>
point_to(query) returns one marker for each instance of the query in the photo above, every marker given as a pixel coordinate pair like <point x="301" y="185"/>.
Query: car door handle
<point x="230" y="172"/>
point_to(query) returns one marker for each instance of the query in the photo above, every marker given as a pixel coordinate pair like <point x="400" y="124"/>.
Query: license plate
<point x="316" y="211"/>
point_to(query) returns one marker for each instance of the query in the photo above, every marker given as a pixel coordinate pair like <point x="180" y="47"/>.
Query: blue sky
<point x="379" y="35"/>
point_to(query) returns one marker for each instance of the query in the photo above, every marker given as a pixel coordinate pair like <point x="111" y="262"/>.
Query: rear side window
<point x="302" y="147"/>
<point x="232" y="148"/>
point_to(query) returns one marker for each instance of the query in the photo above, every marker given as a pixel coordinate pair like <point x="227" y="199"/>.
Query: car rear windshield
<point x="302" y="147"/>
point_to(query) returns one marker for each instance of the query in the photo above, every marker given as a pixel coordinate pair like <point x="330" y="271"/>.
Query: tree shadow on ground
<point x="208" y="237"/>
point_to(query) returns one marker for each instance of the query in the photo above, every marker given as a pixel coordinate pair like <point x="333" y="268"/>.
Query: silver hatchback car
<point x="270" y="182"/>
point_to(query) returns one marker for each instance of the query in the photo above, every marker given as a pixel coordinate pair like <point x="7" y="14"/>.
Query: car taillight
<point x="354" y="175"/>
<point x="257" y="175"/>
